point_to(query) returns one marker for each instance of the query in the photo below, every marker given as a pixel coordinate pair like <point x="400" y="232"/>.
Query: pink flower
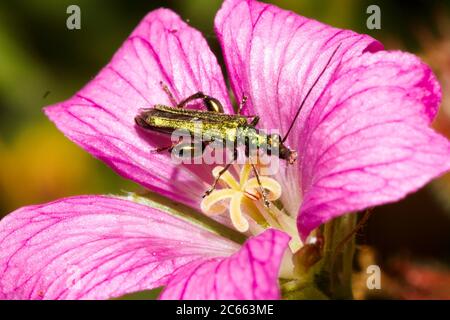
<point x="95" y="247"/>
<point x="362" y="137"/>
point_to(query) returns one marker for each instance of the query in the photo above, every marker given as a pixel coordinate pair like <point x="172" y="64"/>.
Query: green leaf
<point x="141" y="295"/>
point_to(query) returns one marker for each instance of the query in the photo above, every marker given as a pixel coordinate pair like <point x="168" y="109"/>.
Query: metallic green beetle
<point x="239" y="129"/>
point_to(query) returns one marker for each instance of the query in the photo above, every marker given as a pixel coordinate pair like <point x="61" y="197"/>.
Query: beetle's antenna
<point x="309" y="92"/>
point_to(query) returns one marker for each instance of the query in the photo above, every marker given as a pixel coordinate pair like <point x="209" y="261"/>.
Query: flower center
<point x="242" y="199"/>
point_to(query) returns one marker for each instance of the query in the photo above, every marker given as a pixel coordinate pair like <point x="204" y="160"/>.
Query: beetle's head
<point x="284" y="152"/>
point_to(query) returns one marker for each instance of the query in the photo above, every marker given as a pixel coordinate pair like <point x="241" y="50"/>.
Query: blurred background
<point x="42" y="62"/>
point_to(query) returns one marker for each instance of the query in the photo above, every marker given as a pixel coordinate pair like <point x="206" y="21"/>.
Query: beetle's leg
<point x="161" y="149"/>
<point x="213" y="186"/>
<point x="166" y="89"/>
<point x="242" y="104"/>
<point x="195" y="96"/>
<point x="190" y="149"/>
<point x="254" y="121"/>
<point x="212" y="104"/>
<point x="247" y="146"/>
<point x="221" y="172"/>
<point x="168" y="148"/>
<point x="263" y="191"/>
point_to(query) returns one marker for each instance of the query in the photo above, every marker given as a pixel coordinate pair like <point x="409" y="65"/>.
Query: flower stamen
<point x="235" y="192"/>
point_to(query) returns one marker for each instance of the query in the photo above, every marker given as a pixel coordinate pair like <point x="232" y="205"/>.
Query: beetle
<point x="238" y="129"/>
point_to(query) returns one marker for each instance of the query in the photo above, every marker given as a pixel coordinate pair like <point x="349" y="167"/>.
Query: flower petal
<point x="367" y="140"/>
<point x="95" y="247"/>
<point x="362" y="136"/>
<point x="251" y="273"/>
<point x="274" y="56"/>
<point x="100" y="117"/>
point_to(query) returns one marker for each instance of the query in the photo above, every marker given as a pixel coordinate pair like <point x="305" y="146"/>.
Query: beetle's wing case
<point x="203" y="115"/>
<point x="168" y="119"/>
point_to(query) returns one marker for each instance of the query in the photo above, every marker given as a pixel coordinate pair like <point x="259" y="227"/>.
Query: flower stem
<point x="337" y="264"/>
<point x="330" y="277"/>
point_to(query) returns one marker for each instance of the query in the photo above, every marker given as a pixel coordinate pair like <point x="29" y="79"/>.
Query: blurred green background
<point x="42" y="62"/>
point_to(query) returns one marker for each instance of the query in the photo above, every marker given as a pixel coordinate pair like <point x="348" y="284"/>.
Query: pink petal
<point x="100" y="117"/>
<point x="273" y="56"/>
<point x="362" y="136"/>
<point x="367" y="140"/>
<point x="95" y="247"/>
<point x="251" y="273"/>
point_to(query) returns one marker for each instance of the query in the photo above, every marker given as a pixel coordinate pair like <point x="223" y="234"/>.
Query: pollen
<point x="235" y="194"/>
